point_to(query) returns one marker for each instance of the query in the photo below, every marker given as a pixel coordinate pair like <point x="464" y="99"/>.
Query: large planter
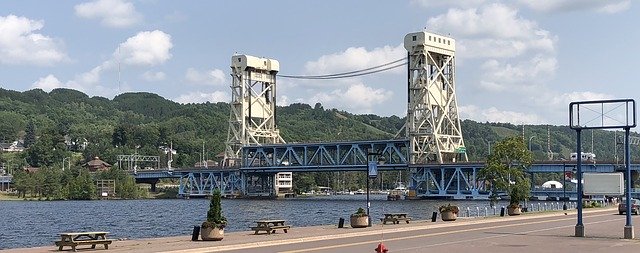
<point x="448" y="216"/>
<point x="212" y="234"/>
<point x="513" y="211"/>
<point x="359" y="221"/>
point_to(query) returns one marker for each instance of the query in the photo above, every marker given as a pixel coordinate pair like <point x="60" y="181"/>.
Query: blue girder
<point x="199" y="183"/>
<point x="338" y="156"/>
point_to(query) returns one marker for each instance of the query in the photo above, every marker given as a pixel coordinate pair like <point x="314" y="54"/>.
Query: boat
<point x="397" y="193"/>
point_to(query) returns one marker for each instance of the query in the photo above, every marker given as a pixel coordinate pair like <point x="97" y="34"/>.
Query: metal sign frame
<point x="607" y="121"/>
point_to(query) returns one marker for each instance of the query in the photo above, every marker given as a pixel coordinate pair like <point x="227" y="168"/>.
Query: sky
<point x="520" y="61"/>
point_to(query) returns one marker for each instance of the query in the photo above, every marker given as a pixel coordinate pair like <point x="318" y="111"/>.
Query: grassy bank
<point x="6" y="196"/>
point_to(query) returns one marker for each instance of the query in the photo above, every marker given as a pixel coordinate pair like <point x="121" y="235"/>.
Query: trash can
<point x="196" y="233"/>
<point x="341" y="223"/>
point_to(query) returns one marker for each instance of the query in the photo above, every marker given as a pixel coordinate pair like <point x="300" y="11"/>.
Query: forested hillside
<point x="142" y="122"/>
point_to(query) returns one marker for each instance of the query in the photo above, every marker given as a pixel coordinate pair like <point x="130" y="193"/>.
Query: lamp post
<point x="372" y="173"/>
<point x="489" y="144"/>
<point x="68" y="162"/>
<point x="531" y="138"/>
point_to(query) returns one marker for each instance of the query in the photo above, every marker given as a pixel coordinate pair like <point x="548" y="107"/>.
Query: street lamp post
<point x="489" y="144"/>
<point x="531" y="138"/>
<point x="372" y="173"/>
<point x="68" y="162"/>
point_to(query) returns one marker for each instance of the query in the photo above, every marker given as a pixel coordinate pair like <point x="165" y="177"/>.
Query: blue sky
<point x="517" y="61"/>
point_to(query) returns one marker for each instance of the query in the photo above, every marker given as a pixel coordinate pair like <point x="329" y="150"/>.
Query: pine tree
<point x="30" y="134"/>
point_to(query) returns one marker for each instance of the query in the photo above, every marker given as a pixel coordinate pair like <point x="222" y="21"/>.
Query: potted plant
<point x="448" y="212"/>
<point x="505" y="171"/>
<point x="213" y="228"/>
<point x="360" y="219"/>
<point x="519" y="191"/>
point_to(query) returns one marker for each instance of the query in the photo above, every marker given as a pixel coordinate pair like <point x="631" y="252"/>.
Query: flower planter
<point x="513" y="211"/>
<point x="448" y="216"/>
<point x="359" y="221"/>
<point x="212" y="234"/>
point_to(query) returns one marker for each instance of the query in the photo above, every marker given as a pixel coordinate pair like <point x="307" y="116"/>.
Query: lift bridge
<point x="258" y="161"/>
<point x="447" y="180"/>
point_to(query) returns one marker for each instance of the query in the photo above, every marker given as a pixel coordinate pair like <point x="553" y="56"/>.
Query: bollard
<point x="502" y="212"/>
<point x="341" y="223"/>
<point x="196" y="233"/>
<point x="468" y="213"/>
<point x="434" y="216"/>
<point x="477" y="211"/>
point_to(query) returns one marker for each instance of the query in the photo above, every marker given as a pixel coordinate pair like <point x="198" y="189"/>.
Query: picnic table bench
<point x="83" y="238"/>
<point x="395" y="218"/>
<point x="270" y="226"/>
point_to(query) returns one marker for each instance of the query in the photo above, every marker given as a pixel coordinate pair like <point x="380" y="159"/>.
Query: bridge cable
<point x="366" y="71"/>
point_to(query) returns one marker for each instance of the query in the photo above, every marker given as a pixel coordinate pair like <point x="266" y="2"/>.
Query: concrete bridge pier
<point x="152" y="181"/>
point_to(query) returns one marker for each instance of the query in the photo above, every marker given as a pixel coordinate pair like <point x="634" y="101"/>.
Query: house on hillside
<point x="30" y="169"/>
<point x="16" y="146"/>
<point x="97" y="165"/>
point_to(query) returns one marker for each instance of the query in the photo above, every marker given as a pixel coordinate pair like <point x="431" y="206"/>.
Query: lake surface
<point x="134" y="219"/>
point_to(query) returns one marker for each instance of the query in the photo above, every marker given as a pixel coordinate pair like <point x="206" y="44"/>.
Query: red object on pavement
<point x="381" y="248"/>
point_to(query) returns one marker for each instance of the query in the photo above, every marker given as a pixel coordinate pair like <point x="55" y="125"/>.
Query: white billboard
<point x="603" y="184"/>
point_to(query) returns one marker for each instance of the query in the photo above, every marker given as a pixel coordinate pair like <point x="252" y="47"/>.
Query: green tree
<point x="506" y="167"/>
<point x="82" y="186"/>
<point x="30" y="134"/>
<point x="303" y="182"/>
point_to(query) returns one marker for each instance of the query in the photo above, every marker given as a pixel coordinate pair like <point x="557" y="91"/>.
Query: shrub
<point x="360" y="213"/>
<point x="449" y="208"/>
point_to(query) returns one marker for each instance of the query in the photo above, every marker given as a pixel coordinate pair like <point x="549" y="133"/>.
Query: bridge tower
<point x="252" y="118"/>
<point x="433" y="125"/>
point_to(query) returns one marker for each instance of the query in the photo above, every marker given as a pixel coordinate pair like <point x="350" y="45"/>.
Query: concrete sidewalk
<point x="247" y="239"/>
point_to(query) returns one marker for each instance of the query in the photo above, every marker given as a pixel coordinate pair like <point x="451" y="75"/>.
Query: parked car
<point x="635" y="206"/>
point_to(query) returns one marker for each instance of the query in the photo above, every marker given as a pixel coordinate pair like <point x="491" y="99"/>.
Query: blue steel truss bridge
<point x="446" y="180"/>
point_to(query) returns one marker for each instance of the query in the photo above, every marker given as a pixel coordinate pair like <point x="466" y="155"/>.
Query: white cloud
<point x="113" y="13"/>
<point x="499" y="75"/>
<point x="358" y="98"/>
<point x="517" y="54"/>
<point x="146" y="48"/>
<point x="151" y="76"/>
<point x="355" y="58"/>
<point x="48" y="83"/>
<point x="604" y="6"/>
<point x="200" y="97"/>
<point x="493" y="114"/>
<point x="438" y="3"/>
<point x="51" y="82"/>
<point x="21" y="44"/>
<point x="283" y="101"/>
<point x="494" y="31"/>
<point x="208" y="77"/>
<point x="134" y="51"/>
<point x="566" y="98"/>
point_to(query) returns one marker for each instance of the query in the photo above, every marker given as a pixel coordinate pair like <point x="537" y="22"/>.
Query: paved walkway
<point x="247" y="240"/>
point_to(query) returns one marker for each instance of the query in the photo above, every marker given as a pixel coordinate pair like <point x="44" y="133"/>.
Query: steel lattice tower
<point x="252" y="120"/>
<point x="433" y="125"/>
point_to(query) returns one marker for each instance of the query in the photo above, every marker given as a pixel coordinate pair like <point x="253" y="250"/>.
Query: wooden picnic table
<point x="83" y="238"/>
<point x="270" y="226"/>
<point x="395" y="218"/>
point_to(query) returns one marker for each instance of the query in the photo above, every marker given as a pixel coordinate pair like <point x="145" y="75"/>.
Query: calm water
<point x="176" y="217"/>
